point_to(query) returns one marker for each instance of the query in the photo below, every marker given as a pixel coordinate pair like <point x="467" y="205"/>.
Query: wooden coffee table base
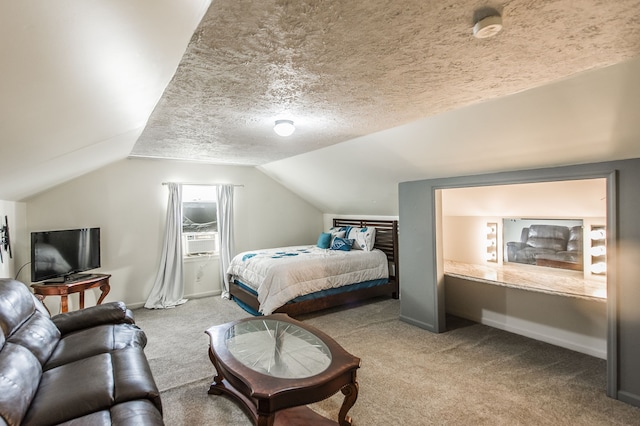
<point x="301" y="415"/>
<point x="271" y="401"/>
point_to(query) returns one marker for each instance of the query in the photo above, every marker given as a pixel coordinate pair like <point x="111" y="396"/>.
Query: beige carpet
<point x="470" y="375"/>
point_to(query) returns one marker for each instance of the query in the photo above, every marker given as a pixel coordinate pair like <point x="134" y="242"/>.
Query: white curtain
<point x="168" y="290"/>
<point x="225" y="231"/>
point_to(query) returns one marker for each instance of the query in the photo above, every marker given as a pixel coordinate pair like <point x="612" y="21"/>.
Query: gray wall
<point x="421" y="270"/>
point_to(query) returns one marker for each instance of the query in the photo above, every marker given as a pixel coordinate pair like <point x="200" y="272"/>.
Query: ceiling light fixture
<point x="284" y="127"/>
<point x="487" y="27"/>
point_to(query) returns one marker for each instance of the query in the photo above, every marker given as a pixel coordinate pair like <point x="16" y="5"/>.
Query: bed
<point x="252" y="279"/>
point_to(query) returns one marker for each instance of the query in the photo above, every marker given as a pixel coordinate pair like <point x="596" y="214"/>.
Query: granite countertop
<point x="533" y="278"/>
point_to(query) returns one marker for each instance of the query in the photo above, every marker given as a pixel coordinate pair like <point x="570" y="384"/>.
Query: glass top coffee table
<point x="275" y="365"/>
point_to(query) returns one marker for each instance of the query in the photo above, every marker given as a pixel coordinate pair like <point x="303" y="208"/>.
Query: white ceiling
<point x="382" y="92"/>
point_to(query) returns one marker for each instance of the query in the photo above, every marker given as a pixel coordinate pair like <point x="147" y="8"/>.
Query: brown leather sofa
<point x="84" y="367"/>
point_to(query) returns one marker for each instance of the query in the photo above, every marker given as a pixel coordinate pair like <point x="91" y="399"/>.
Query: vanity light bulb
<point x="599" y="268"/>
<point x="597" y="234"/>
<point x="598" y="251"/>
<point x="490" y="256"/>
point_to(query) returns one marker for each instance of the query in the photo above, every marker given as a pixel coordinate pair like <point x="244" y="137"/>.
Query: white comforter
<point x="281" y="274"/>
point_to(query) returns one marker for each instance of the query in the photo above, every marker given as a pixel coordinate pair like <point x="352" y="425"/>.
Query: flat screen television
<point x="60" y="255"/>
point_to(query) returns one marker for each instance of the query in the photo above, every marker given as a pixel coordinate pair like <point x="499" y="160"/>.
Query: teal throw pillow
<point x="343" y="244"/>
<point x="324" y="240"/>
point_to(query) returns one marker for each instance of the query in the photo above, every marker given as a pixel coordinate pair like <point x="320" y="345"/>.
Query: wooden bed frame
<point x="386" y="241"/>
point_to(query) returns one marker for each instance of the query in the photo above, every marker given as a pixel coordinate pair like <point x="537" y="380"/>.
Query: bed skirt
<point x="311" y="296"/>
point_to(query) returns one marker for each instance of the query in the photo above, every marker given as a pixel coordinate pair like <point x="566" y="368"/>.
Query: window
<point x="199" y="220"/>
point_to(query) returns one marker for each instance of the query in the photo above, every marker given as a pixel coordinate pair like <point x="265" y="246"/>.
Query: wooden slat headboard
<point x="386" y="238"/>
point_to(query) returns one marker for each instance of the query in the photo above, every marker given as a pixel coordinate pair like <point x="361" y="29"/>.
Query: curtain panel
<point x="225" y="231"/>
<point x="168" y="289"/>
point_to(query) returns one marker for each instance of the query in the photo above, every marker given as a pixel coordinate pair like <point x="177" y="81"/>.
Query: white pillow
<point x="336" y="233"/>
<point x="363" y="238"/>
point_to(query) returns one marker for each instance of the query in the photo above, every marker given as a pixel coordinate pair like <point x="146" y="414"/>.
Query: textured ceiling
<point x="342" y="70"/>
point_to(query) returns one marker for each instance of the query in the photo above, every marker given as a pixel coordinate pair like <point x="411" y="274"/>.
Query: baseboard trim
<point x="186" y="296"/>
<point x="204" y="294"/>
<point x="629" y="398"/>
<point x="420" y="324"/>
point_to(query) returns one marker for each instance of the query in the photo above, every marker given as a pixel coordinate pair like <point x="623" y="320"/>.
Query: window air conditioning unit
<point x="200" y="243"/>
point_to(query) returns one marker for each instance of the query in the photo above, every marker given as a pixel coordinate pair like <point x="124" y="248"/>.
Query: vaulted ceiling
<point x="380" y="91"/>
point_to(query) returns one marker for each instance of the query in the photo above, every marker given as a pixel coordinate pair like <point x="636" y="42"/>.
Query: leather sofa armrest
<point x="512" y="249"/>
<point x="517" y="245"/>
<point x="107" y="313"/>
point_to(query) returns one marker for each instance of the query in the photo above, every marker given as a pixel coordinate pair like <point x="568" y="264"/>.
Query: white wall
<point x="128" y="202"/>
<point x="15" y="213"/>
<point x="464" y="238"/>
<point x="202" y="276"/>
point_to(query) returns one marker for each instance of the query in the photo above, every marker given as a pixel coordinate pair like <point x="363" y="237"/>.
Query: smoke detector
<point x="487" y="27"/>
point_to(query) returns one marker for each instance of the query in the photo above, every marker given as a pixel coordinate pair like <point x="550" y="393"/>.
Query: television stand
<point x="78" y="284"/>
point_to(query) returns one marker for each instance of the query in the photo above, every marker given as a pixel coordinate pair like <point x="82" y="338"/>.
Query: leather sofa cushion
<point x="91" y="385"/>
<point x="16" y="306"/>
<point x="96" y="340"/>
<point x="549" y="231"/>
<point x="20" y="374"/>
<point x="23" y="324"/>
<point x="72" y="390"/>
<point x="547" y="243"/>
<point x="134" y="379"/>
<point x="529" y="254"/>
<point x="548" y="237"/>
<point x="136" y="412"/>
<point x="139" y="412"/>
<point x="38" y="334"/>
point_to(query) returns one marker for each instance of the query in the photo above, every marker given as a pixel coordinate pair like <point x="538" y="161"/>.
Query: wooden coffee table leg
<point x="264" y="420"/>
<point x="350" y="393"/>
<point x="214" y="389"/>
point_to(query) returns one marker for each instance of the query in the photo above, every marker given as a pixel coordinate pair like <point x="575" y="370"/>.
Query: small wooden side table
<point x="64" y="289"/>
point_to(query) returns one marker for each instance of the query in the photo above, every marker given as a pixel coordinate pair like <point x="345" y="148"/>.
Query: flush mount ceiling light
<point x="284" y="127"/>
<point x="487" y="27"/>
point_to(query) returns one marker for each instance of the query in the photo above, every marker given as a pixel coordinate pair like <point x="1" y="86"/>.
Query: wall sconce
<point x="492" y="242"/>
<point x="598" y="250"/>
